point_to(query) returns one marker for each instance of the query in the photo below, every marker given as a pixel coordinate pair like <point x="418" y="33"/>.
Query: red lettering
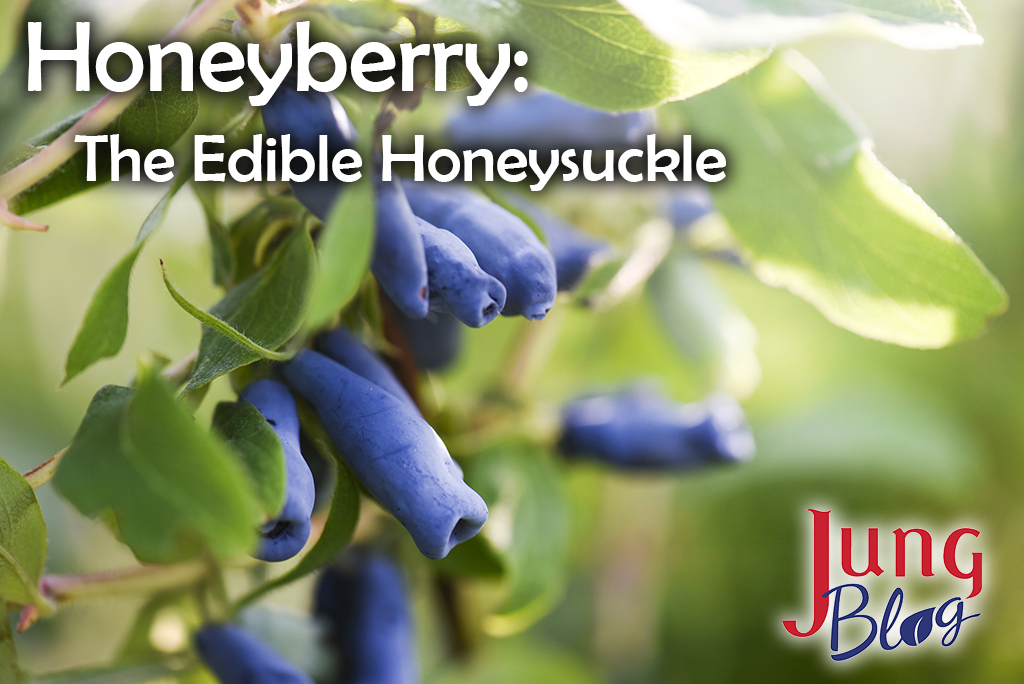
<point x="872" y="553"/>
<point x="901" y="552"/>
<point x="949" y="558"/>
<point x="819" y="583"/>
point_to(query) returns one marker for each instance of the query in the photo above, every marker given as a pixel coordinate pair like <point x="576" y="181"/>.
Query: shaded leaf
<point x="527" y="528"/>
<point x="9" y="671"/>
<point x="596" y="52"/>
<point x="246" y="431"/>
<point x="259" y="315"/>
<point x="154" y="120"/>
<point x="22" y="540"/>
<point x="819" y="215"/>
<point x="105" y="326"/>
<point x="346" y="244"/>
<point x="717" y="25"/>
<point x="174" y="491"/>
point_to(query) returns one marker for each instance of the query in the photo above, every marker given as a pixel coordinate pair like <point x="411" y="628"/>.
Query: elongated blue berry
<point x="284" y="536"/>
<point x="398" y="262"/>
<point x="457" y="283"/>
<point x="435" y="341"/>
<point x="640" y="429"/>
<point x="574" y="251"/>
<point x="305" y="117"/>
<point x="503" y="245"/>
<point x="237" y="657"/>
<point x="366" y="602"/>
<point x="393" y="452"/>
<point x="689" y="205"/>
<point x="342" y="346"/>
<point x="545" y="121"/>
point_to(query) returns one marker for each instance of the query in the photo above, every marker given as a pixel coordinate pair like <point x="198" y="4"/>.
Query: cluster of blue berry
<point x="446" y="257"/>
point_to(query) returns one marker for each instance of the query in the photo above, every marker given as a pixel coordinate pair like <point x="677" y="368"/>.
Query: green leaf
<point x="258" y="316"/>
<point x="220" y="238"/>
<point x="10" y="673"/>
<point x="717" y="25"/>
<point x="254" y="440"/>
<point x="173" y="489"/>
<point x="527" y="527"/>
<point x="105" y="326"/>
<point x="473" y="558"/>
<point x="596" y="52"/>
<point x="152" y="121"/>
<point x="341" y="519"/>
<point x="346" y="244"/>
<point x="716" y="338"/>
<point x="627" y="271"/>
<point x="22" y="540"/>
<point x="819" y="215"/>
<point x="136" y="647"/>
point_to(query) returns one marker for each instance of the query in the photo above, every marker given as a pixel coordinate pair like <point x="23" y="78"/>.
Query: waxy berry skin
<point x="457" y="283"/>
<point x="435" y="341"/>
<point x="366" y="602"/>
<point x="341" y="345"/>
<point x="284" y="536"/>
<point x="503" y="245"/>
<point x="642" y="430"/>
<point x="546" y="121"/>
<point x="393" y="451"/>
<point x="398" y="261"/>
<point x="574" y="251"/>
<point x="237" y="657"/>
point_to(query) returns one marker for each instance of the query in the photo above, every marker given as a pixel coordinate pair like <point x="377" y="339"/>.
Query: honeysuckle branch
<point x="101" y="115"/>
<point x="138" y="580"/>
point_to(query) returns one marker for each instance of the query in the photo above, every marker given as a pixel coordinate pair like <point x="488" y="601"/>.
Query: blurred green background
<point x="674" y="579"/>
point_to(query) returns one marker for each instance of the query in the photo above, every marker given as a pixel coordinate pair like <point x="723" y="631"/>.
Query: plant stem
<point x="102" y="114"/>
<point x="43" y="473"/>
<point x="143" y="579"/>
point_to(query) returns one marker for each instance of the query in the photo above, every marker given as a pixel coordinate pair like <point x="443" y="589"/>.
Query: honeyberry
<point x="237" y="657"/>
<point x="284" y="535"/>
<point x="544" y="121"/>
<point x="574" y="251"/>
<point x="689" y="205"/>
<point x="398" y="262"/>
<point x="395" y="454"/>
<point x="641" y="429"/>
<point x="342" y="346"/>
<point x="365" y="601"/>
<point x="457" y="283"/>
<point x="503" y="245"/>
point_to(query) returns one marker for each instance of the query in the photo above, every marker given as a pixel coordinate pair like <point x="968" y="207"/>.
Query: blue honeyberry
<point x="366" y="603"/>
<point x="237" y="657"/>
<point x="284" y="535"/>
<point x="305" y="117"/>
<point x="544" y="121"/>
<point x="435" y="341"/>
<point x="398" y="262"/>
<point x="503" y="245"/>
<point x="574" y="251"/>
<point x="342" y="346"/>
<point x="457" y="283"/>
<point x="687" y="206"/>
<point x="394" y="452"/>
<point x="640" y="429"/>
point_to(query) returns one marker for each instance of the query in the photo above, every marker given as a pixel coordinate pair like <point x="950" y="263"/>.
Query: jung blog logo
<point x="856" y="623"/>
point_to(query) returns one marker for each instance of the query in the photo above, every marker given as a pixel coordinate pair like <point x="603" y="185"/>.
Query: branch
<point x="101" y="115"/>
